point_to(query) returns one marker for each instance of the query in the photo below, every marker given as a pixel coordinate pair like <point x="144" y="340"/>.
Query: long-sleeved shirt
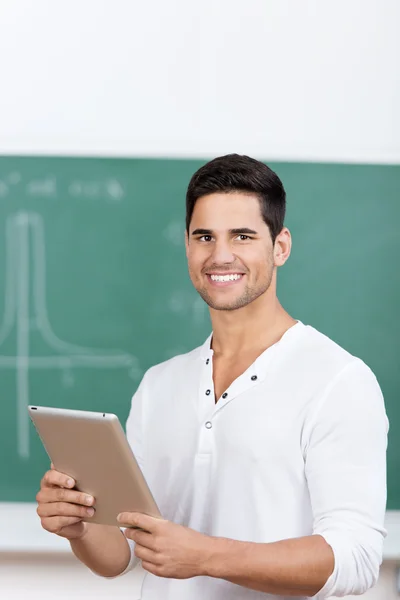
<point x="296" y="446"/>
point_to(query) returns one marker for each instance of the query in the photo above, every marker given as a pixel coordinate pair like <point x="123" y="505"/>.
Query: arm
<point x="346" y="473"/>
<point x="345" y="466"/>
<point x="295" y="567"/>
<point x="104" y="549"/>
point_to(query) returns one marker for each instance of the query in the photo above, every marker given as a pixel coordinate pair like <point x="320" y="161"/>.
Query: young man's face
<point x="229" y="250"/>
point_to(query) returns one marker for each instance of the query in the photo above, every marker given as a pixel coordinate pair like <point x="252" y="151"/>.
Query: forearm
<point x="295" y="567"/>
<point x="103" y="548"/>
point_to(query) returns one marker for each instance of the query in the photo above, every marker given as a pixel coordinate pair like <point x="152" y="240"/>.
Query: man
<point x="264" y="448"/>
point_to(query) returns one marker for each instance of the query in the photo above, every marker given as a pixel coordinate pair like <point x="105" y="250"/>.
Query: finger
<point x="52" y="466"/>
<point x="152" y="568"/>
<point x="54" y="477"/>
<point x="55" y="524"/>
<point x="145" y="522"/>
<point x="147" y="555"/>
<point x="141" y="537"/>
<point x="56" y="494"/>
<point x="58" y="509"/>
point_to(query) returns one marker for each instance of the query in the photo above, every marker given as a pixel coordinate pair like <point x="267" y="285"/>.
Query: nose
<point x="222" y="253"/>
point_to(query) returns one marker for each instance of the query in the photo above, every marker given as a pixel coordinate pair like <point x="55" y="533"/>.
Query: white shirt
<point x="295" y="446"/>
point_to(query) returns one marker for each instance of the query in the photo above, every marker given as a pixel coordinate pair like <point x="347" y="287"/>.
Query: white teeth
<point x="234" y="277"/>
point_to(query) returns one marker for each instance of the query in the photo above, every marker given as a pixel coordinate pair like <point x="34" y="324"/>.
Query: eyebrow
<point x="239" y="231"/>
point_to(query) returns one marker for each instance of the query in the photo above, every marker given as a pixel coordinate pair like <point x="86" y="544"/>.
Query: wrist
<point x="224" y="558"/>
<point x="79" y="536"/>
<point x="213" y="556"/>
<point x="85" y="530"/>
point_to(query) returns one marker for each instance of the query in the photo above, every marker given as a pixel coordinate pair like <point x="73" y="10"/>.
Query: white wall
<point x="273" y="78"/>
<point x="276" y="79"/>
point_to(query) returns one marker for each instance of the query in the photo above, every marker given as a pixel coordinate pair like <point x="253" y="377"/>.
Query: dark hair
<point x="235" y="173"/>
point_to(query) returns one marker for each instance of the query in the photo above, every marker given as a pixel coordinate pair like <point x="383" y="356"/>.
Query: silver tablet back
<point x="92" y="448"/>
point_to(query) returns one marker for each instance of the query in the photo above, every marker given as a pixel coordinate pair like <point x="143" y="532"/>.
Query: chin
<point x="225" y="307"/>
<point x="234" y="304"/>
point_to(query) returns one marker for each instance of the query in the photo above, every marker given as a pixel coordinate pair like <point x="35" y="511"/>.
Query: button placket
<point x="238" y="387"/>
<point x="206" y="408"/>
<point x="206" y="388"/>
<point x="206" y="437"/>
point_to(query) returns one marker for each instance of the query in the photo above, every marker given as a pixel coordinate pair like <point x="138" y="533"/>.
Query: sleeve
<point x="134" y="434"/>
<point x="345" y="466"/>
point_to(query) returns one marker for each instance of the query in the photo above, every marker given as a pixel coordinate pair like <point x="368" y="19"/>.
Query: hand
<point x="167" y="549"/>
<point x="60" y="509"/>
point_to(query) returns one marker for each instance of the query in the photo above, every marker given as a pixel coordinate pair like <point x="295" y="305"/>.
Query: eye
<point x="202" y="238"/>
<point x="243" y="237"/>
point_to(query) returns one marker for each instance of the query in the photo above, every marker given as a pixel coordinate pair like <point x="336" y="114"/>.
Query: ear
<point x="282" y="247"/>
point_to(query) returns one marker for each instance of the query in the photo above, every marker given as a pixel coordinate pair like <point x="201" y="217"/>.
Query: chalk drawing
<point x="111" y="189"/>
<point x="25" y="262"/>
<point x="46" y="187"/>
<point x="115" y="190"/>
<point x="12" y="178"/>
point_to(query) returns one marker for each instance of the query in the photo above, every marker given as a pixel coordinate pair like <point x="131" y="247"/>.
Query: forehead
<point x="231" y="210"/>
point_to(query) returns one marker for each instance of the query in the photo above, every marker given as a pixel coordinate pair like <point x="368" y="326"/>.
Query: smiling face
<point x="229" y="250"/>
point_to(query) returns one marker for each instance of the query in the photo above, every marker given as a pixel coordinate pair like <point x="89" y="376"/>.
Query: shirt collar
<point x="207" y="352"/>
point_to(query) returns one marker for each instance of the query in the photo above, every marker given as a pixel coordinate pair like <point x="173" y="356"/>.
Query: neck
<point x="250" y="329"/>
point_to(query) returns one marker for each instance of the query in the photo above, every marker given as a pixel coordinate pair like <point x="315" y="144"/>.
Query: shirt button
<point x="224" y="395"/>
<point x="208" y="425"/>
<point x="208" y="392"/>
<point x="207" y="361"/>
<point x="253" y="377"/>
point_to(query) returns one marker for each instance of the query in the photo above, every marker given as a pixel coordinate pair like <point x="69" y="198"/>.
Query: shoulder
<point x="317" y="344"/>
<point x="319" y="353"/>
<point x="318" y="365"/>
<point x="345" y="398"/>
<point x="344" y="380"/>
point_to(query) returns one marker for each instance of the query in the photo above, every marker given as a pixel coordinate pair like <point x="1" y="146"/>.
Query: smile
<point x="227" y="279"/>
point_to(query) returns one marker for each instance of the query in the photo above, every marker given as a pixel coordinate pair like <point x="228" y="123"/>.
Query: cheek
<point x="194" y="266"/>
<point x="258" y="266"/>
<point x="196" y="260"/>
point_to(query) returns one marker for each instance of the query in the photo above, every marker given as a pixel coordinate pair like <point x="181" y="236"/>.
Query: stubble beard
<point x="249" y="295"/>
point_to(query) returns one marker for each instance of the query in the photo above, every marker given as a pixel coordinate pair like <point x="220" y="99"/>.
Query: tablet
<point x="92" y="448"/>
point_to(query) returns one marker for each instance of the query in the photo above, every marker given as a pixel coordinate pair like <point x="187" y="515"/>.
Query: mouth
<point x="225" y="280"/>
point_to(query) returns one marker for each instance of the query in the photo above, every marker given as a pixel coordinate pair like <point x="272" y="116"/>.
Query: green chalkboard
<point x="94" y="286"/>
